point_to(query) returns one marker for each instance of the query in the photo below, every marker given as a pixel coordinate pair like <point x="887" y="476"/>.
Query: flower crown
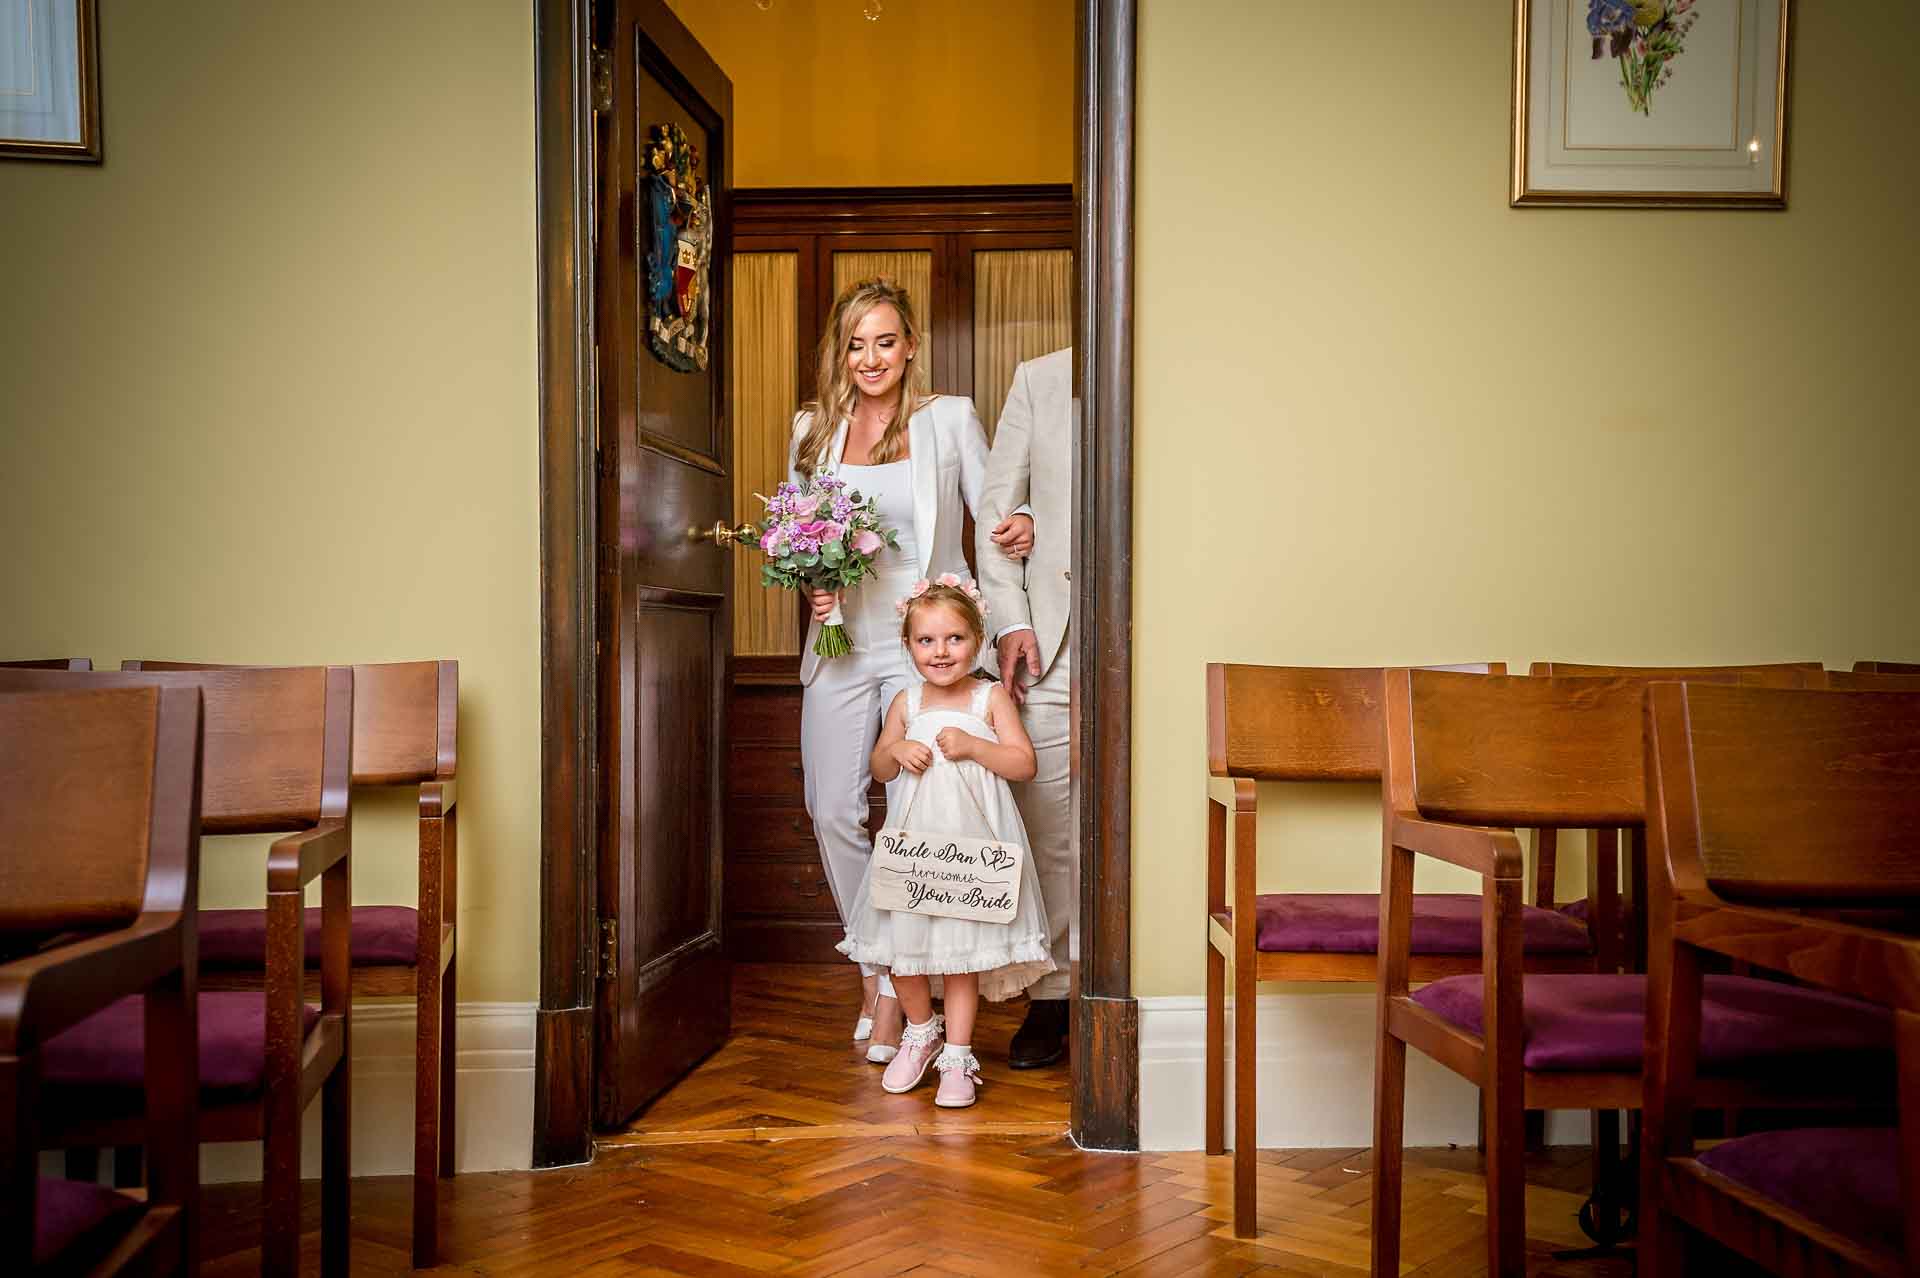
<point x="953" y="580"/>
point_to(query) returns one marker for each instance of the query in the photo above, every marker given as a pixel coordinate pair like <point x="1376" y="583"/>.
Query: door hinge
<point x="602" y="81"/>
<point x="609" y="949"/>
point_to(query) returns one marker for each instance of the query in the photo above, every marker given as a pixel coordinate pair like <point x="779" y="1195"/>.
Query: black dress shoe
<point x="1042" y="1037"/>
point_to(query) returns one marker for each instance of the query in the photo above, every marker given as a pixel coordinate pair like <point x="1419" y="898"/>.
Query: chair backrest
<point x="1887" y="667"/>
<point x="1858" y="680"/>
<point x="50" y="663"/>
<point x="405" y="718"/>
<point x="1534" y="751"/>
<point x="1784" y="674"/>
<point x="275" y="754"/>
<point x="1790" y="797"/>
<point x="1299" y="723"/>
<point x="97" y="809"/>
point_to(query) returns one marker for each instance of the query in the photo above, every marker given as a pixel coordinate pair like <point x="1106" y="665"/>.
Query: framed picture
<point x="50" y="80"/>
<point x="1650" y="102"/>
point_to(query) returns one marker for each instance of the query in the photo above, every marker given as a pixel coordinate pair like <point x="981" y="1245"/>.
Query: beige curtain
<point x="1022" y="308"/>
<point x="912" y="270"/>
<point x="763" y="341"/>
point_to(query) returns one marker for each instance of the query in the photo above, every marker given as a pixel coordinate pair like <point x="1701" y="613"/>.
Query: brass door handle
<point x="721" y="535"/>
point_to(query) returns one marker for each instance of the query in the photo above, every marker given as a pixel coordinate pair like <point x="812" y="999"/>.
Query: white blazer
<point x="1032" y="469"/>
<point x="948" y="448"/>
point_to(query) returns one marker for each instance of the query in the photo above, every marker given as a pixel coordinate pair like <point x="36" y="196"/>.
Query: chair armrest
<point x="1235" y="794"/>
<point x="44" y="993"/>
<point x="1881" y="967"/>
<point x="299" y="859"/>
<point x="437" y="799"/>
<point x="1482" y="849"/>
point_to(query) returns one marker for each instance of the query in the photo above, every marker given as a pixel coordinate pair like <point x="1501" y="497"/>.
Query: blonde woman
<point x="924" y="459"/>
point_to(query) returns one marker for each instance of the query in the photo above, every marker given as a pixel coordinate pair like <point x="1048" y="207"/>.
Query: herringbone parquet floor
<point x="780" y="1155"/>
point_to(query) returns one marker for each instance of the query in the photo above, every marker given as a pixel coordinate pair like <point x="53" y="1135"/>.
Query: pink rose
<point x="867" y="542"/>
<point x="831" y="531"/>
<point x="804" y="507"/>
<point x="815" y="529"/>
<point x="948" y="579"/>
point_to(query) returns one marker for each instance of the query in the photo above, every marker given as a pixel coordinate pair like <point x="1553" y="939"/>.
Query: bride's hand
<point x="822" y="601"/>
<point x="956" y="743"/>
<point x="912" y="756"/>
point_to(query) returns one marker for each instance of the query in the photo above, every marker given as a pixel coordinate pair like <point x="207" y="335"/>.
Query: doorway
<point x="585" y="701"/>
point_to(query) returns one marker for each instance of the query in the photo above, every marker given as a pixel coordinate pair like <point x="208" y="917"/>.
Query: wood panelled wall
<point x="777" y="906"/>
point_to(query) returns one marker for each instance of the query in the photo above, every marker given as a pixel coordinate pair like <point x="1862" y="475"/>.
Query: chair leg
<point x="1389" y="1162"/>
<point x="1216" y="1050"/>
<point x="1506" y="1187"/>
<point x="83" y="1164"/>
<point x="336" y="1167"/>
<point x="1246" y="1109"/>
<point x="428" y="1134"/>
<point x="280" y="1215"/>
<point x="449" y="1024"/>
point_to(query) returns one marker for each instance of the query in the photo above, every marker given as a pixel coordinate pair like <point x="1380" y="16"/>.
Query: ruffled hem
<point x="1005" y="970"/>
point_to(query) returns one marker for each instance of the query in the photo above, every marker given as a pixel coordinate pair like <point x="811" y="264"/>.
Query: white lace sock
<point x="957" y="1056"/>
<point x="923" y="1033"/>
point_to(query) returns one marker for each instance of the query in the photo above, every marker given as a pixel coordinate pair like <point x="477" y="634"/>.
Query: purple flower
<point x="1609" y="17"/>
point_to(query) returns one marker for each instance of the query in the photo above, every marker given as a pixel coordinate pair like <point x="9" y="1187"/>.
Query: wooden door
<point x="661" y="1000"/>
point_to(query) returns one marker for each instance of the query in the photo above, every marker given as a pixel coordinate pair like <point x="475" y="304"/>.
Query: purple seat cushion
<point x="107" y="1051"/>
<point x="1846" y="1178"/>
<point x="382" y="936"/>
<point x="76" y="1223"/>
<point x="1598" y="1022"/>
<point x="1443" y="923"/>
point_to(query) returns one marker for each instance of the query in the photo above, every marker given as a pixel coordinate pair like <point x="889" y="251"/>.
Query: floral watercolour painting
<point x="1650" y="102"/>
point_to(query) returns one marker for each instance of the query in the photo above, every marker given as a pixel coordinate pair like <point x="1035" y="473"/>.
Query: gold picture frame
<point x="1669" y="132"/>
<point x="50" y="81"/>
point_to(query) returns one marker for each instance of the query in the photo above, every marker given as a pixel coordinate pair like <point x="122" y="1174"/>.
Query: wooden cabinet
<point x="778" y="905"/>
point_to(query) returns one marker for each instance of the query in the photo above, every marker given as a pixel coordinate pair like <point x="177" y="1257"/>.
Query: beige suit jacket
<point x="1032" y="465"/>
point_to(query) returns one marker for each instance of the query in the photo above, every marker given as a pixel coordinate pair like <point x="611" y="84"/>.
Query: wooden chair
<point x="1617" y="932"/>
<point x="405" y="721"/>
<point x="99" y="820"/>
<point x="1887" y="667"/>
<point x="1467" y="760"/>
<point x="50" y="663"/>
<point x="1291" y="723"/>
<point x="276" y="749"/>
<point x="1763" y="804"/>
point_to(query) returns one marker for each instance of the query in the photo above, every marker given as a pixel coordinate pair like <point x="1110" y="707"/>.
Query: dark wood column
<point x="1106" y="1050"/>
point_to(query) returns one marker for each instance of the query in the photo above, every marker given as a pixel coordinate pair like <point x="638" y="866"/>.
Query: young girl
<point x="958" y="740"/>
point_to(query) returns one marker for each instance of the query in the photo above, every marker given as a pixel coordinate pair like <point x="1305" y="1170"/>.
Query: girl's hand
<point x="822" y="601"/>
<point x="912" y="756"/>
<point x="956" y="743"/>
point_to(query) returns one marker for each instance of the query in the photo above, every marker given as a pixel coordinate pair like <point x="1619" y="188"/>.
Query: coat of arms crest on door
<point x="678" y="235"/>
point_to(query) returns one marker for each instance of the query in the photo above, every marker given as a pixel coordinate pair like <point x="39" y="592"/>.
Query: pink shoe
<point x="919" y="1044"/>
<point x="959" y="1076"/>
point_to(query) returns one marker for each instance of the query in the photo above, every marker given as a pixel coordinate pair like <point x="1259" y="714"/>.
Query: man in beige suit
<point x="1030" y="477"/>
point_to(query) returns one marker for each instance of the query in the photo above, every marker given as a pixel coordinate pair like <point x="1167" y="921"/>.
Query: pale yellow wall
<point x="1383" y="418"/>
<point x="934" y="93"/>
<point x="267" y="390"/>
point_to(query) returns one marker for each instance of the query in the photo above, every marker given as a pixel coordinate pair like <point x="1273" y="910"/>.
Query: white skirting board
<point x="1314" y="1077"/>
<point x="493" y="1096"/>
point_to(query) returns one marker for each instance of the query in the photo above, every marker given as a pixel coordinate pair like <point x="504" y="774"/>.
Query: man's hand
<point x="1014" y="536"/>
<point x="1015" y="646"/>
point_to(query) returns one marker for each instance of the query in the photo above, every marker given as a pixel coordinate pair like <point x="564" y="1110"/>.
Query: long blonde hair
<point x="835" y="396"/>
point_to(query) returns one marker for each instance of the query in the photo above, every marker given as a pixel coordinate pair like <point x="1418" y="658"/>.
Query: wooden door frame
<point x="1106" y="1093"/>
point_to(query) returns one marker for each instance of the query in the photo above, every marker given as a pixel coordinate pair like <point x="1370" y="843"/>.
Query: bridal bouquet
<point x="821" y="535"/>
